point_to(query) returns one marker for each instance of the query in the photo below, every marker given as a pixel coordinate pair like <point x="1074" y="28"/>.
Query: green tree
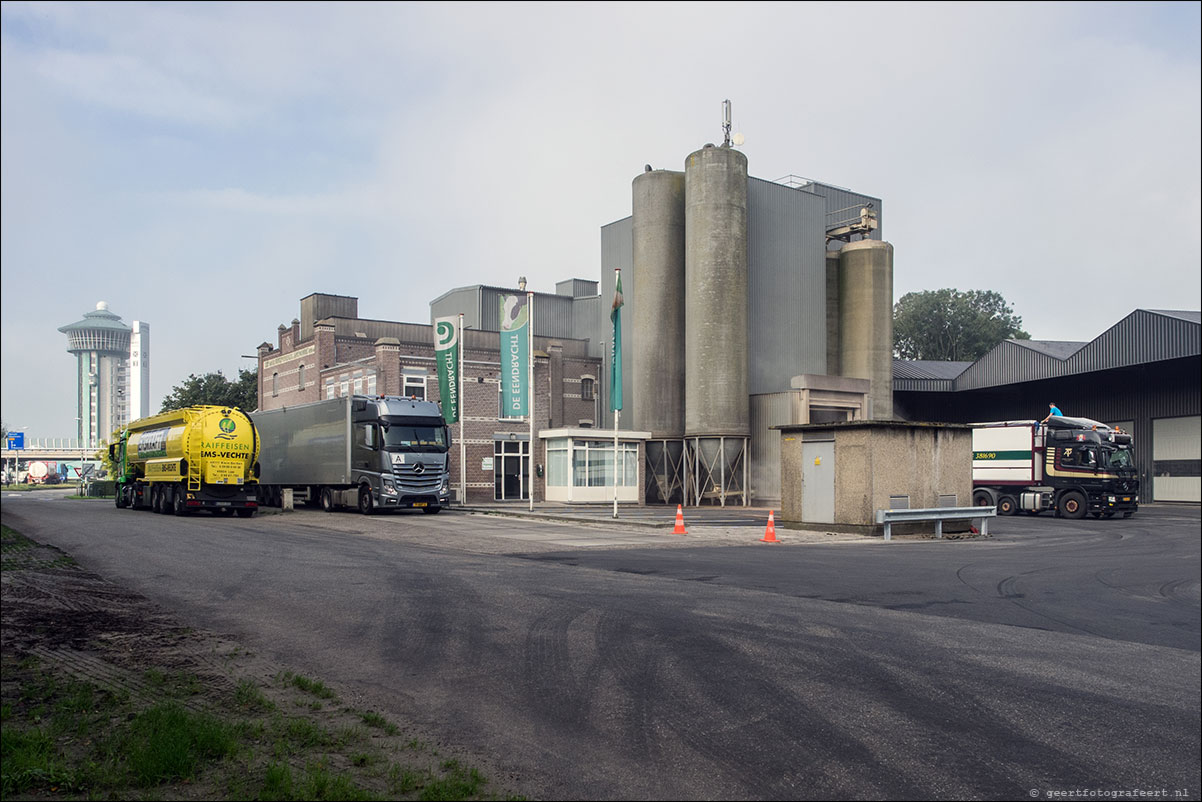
<point x="952" y="325"/>
<point x="215" y="389"/>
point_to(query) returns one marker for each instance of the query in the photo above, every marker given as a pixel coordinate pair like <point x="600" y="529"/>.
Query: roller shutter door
<point x="1176" y="457"/>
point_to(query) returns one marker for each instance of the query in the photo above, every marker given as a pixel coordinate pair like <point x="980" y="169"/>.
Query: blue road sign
<point x="16" y="441"/>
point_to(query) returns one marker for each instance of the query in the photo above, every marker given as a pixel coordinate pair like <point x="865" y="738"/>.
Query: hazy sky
<point x="203" y="166"/>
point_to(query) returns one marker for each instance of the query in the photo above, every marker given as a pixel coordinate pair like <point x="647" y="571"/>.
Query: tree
<point x="215" y="389"/>
<point x="951" y="325"/>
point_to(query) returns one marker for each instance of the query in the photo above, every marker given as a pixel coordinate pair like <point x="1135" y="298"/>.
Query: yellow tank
<point x="187" y="456"/>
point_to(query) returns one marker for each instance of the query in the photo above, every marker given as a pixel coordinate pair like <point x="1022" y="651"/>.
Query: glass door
<point x="511" y="470"/>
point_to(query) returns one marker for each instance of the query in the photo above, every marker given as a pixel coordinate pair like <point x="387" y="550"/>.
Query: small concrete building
<point x="842" y="473"/>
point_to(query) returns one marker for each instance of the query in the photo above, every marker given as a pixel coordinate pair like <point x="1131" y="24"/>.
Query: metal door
<point x="818" y="482"/>
<point x="511" y="470"/>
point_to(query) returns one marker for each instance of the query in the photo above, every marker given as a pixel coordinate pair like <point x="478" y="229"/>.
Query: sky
<point x="201" y="167"/>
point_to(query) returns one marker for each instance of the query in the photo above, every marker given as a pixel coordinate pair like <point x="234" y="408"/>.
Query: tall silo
<point x="717" y="417"/>
<point x="866" y="320"/>
<point x="658" y="360"/>
<point x="100" y="343"/>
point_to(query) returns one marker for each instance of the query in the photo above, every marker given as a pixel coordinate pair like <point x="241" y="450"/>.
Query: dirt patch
<point x="61" y="626"/>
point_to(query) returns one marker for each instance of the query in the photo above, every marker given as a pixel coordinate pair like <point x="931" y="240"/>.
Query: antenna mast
<point x="726" y="123"/>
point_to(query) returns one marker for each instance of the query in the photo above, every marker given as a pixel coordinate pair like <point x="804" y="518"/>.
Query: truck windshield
<point x="416" y="438"/>
<point x="1121" y="459"/>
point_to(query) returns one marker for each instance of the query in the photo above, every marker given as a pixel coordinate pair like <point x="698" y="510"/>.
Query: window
<point x="413" y="383"/>
<point x="344" y="384"/>
<point x="586" y="388"/>
<point x="557" y="462"/>
<point x="371" y="384"/>
<point x="330" y="392"/>
<point x="274" y="386"/>
<point x="300" y="377"/>
<point x="358" y="382"/>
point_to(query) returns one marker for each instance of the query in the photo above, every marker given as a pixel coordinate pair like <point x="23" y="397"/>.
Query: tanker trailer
<point x="196" y="458"/>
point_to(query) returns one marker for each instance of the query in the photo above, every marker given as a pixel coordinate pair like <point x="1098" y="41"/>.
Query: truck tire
<point x="121" y="499"/>
<point x="982" y="498"/>
<point x="1072" y="505"/>
<point x="1007" y="505"/>
<point x="156" y="499"/>
<point x="367" y="504"/>
<point x="177" y="502"/>
<point x="327" y="499"/>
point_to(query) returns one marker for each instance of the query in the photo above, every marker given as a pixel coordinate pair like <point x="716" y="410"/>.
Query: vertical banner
<point x="615" y="314"/>
<point x="515" y="356"/>
<point x="446" y="353"/>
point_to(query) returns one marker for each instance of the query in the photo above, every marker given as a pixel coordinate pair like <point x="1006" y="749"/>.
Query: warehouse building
<point x="1142" y="374"/>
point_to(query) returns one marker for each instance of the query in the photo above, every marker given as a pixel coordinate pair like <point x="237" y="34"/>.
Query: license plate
<point x="419" y="504"/>
<point x="223" y="503"/>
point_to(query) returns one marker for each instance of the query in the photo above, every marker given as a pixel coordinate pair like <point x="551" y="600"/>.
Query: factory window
<point x="330" y="393"/>
<point x="371" y="384"/>
<point x="414" y="384"/>
<point x="586" y="389"/>
<point x="344" y="384"/>
<point x="300" y="377"/>
<point x="358" y="382"/>
<point x="274" y="385"/>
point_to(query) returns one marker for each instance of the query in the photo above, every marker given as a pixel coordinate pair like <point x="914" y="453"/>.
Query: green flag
<point x="515" y="355"/>
<point x="615" y="378"/>
<point x="446" y="352"/>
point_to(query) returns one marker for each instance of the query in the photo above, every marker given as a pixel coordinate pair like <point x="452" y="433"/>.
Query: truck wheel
<point x="178" y="506"/>
<point x="982" y="498"/>
<point x="121" y="498"/>
<point x="1007" y="505"/>
<point x="1072" y="505"/>
<point x="431" y="510"/>
<point x="156" y="499"/>
<point x="366" y="503"/>
<point x="327" y="500"/>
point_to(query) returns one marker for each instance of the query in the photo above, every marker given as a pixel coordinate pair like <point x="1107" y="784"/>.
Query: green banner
<point x="615" y="379"/>
<point x="515" y="356"/>
<point x="446" y="353"/>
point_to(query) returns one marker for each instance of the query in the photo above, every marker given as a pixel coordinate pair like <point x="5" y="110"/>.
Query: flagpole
<point x="462" y="424"/>
<point x="613" y="362"/>
<point x="530" y="393"/>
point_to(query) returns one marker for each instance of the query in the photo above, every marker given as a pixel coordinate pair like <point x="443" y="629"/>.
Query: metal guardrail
<point x="978" y="515"/>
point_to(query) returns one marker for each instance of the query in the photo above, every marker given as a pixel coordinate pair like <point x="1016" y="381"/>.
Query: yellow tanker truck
<point x="196" y="458"/>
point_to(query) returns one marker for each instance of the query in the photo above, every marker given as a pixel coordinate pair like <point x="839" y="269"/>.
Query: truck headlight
<point x="1111" y="499"/>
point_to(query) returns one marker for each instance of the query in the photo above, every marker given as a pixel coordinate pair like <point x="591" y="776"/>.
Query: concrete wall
<point x="875" y="460"/>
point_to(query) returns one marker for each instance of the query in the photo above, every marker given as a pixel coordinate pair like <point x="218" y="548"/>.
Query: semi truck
<point x="187" y="460"/>
<point x="1073" y="466"/>
<point x="366" y="452"/>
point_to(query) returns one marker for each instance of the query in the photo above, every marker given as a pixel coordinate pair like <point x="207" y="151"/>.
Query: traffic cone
<point x="679" y="530"/>
<point x="770" y="532"/>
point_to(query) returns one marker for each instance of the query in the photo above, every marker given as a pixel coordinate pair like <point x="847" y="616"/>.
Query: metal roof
<point x="98" y="319"/>
<point x="1144" y="336"/>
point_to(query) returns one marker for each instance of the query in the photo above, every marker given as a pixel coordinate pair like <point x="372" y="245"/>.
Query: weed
<point x="248" y="695"/>
<point x="168" y="742"/>
<point x="373" y="719"/>
<point x="402" y="780"/>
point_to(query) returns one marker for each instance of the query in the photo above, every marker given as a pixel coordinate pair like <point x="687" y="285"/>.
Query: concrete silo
<point x="717" y="416"/>
<point x="866" y="320"/>
<point x="658" y="360"/>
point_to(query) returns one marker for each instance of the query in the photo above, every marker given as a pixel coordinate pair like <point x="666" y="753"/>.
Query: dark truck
<point x="1075" y="466"/>
<point x="370" y="452"/>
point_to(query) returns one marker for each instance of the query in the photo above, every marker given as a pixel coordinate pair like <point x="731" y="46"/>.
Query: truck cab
<point x="399" y="454"/>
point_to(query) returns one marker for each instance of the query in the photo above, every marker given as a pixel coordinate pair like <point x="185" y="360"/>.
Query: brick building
<point x="330" y="351"/>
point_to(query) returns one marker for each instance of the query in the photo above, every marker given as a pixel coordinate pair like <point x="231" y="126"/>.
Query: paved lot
<point x="596" y="660"/>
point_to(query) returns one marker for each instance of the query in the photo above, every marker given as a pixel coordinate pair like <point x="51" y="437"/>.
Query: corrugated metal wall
<point x="786" y="285"/>
<point x="480" y="305"/>
<point x="768" y="410"/>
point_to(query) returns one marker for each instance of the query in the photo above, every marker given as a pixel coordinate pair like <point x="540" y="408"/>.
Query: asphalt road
<point x="1056" y="656"/>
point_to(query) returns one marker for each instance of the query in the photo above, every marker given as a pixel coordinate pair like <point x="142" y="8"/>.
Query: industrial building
<point x="1142" y="374"/>
<point x="112" y="372"/>
<point x="753" y="304"/>
<point x="329" y="351"/>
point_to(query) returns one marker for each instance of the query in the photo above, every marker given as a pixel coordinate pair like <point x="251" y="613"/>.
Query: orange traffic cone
<point x="679" y="530"/>
<point x="770" y="532"/>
